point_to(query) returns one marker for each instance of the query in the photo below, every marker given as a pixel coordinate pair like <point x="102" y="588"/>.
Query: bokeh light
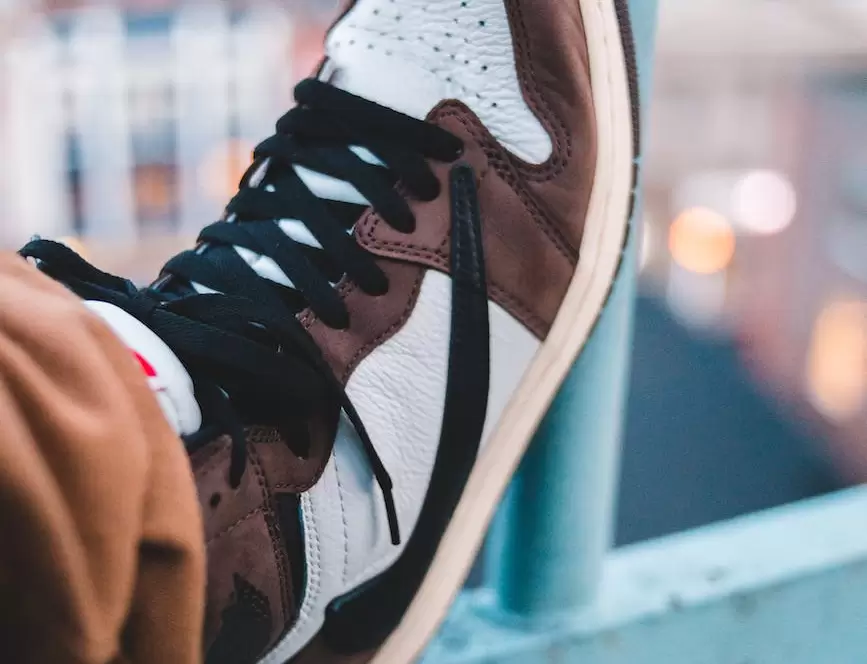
<point x="701" y="240"/>
<point x="764" y="202"/>
<point x="836" y="372"/>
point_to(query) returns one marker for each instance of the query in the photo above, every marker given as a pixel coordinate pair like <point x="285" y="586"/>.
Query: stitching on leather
<point x="300" y="487"/>
<point x="211" y="460"/>
<point x="407" y="248"/>
<point x="505" y="169"/>
<point x="344" y="287"/>
<point x="232" y="526"/>
<point x="274" y="532"/>
<point x="361" y="352"/>
<point x="343" y="518"/>
<point x="311" y="534"/>
<point x="297" y="487"/>
<point x="502" y="166"/>
<point x="511" y="303"/>
<point x="527" y="76"/>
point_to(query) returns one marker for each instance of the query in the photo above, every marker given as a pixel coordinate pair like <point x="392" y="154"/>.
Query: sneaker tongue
<point x="166" y="376"/>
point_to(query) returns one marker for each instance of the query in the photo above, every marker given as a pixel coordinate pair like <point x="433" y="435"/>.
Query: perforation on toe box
<point x="411" y="54"/>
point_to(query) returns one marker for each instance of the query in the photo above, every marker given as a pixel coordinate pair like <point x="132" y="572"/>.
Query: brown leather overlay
<point x="372" y="318"/>
<point x="533" y="214"/>
<point x="519" y="233"/>
<point x="554" y="73"/>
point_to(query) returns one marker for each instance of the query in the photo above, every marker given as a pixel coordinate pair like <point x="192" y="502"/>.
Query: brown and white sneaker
<point x="359" y="352"/>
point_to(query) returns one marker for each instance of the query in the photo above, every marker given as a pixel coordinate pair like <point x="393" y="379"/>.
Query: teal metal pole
<point x="548" y="543"/>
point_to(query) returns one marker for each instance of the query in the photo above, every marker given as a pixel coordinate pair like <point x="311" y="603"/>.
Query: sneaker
<point x="358" y="354"/>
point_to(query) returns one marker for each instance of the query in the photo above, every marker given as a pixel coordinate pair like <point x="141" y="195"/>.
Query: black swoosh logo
<point x="362" y="619"/>
<point x="246" y="627"/>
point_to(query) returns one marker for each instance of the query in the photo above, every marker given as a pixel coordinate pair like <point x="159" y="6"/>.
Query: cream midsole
<point x="604" y="237"/>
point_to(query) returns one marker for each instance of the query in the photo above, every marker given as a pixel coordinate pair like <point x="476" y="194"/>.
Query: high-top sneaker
<point x="358" y="353"/>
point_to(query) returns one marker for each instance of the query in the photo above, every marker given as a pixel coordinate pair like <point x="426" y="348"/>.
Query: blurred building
<point x="133" y="122"/>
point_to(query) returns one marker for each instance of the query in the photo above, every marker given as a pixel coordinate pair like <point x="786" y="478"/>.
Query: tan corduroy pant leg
<point x="101" y="546"/>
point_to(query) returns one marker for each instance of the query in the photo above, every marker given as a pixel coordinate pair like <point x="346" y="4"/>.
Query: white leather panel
<point x="411" y="54"/>
<point x="399" y="391"/>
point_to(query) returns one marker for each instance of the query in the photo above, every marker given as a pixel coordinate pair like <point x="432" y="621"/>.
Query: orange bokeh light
<point x="701" y="240"/>
<point x="836" y="371"/>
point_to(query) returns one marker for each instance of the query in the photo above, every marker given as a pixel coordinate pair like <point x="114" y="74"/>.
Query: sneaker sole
<point x="612" y="70"/>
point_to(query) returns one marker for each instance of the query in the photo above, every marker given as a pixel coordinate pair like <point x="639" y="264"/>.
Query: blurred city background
<point x="125" y="126"/>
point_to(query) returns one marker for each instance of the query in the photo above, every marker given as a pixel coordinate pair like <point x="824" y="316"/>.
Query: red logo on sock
<point x="146" y="366"/>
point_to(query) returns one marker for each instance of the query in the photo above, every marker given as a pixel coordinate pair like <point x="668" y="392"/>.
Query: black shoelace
<point x="251" y="360"/>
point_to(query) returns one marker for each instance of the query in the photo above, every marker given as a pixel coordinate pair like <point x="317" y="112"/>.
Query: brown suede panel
<point x="372" y="319"/>
<point x="223" y="507"/>
<point x="246" y="550"/>
<point x="519" y="233"/>
<point x="283" y="469"/>
<point x="242" y="528"/>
